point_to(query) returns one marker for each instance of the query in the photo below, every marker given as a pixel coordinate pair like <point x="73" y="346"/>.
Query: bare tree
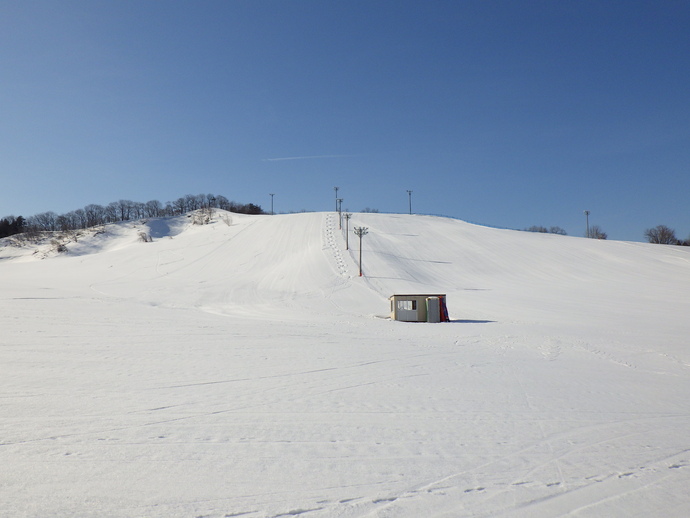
<point x="194" y="201"/>
<point x="153" y="209"/>
<point x="138" y="210"/>
<point x="125" y="209"/>
<point x="80" y="218"/>
<point x="179" y="206"/>
<point x="95" y="215"/>
<point x="543" y="230"/>
<point x="43" y="221"/>
<point x="661" y="235"/>
<point x="68" y="221"/>
<point x="62" y="222"/>
<point x="595" y="232"/>
<point x="112" y="212"/>
<point x="209" y="201"/>
<point x="222" y="202"/>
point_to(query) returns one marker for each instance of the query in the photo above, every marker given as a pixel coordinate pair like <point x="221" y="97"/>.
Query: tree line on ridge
<point x="123" y="210"/>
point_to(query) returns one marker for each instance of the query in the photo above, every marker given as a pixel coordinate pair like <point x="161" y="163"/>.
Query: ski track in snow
<point x="245" y="369"/>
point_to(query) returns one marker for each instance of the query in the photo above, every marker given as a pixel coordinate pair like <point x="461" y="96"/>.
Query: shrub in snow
<point x="58" y="246"/>
<point x="595" y="232"/>
<point x="201" y="218"/>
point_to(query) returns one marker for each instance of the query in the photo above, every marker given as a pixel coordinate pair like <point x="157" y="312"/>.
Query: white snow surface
<point x="243" y="368"/>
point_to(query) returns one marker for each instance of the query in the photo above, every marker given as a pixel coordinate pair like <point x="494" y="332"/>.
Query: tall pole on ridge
<point x="339" y="208"/>
<point x="336" y="197"/>
<point x="409" y="196"/>
<point x="347" y="230"/>
<point x="587" y="217"/>
<point x="361" y="231"/>
<point x="272" y="195"/>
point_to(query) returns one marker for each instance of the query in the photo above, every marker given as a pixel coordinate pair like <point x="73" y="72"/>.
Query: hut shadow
<point x="466" y="321"/>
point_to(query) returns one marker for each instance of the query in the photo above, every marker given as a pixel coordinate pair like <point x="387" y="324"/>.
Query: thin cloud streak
<point x="305" y="157"/>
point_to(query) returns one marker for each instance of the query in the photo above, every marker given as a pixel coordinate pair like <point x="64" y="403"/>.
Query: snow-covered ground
<point x="243" y="368"/>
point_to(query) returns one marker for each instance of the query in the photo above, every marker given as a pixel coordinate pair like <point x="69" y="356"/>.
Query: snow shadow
<point x="466" y="321"/>
<point x="399" y="257"/>
<point x="159" y="228"/>
<point x="165" y="227"/>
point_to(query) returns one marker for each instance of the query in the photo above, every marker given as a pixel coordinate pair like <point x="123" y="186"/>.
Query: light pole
<point x="409" y="196"/>
<point x="347" y="230"/>
<point x="361" y="231"/>
<point x="339" y="208"/>
<point x="272" y="195"/>
<point x="336" y="197"/>
<point x="587" y="218"/>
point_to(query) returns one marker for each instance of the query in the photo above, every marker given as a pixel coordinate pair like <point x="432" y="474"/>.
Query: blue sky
<point x="505" y="113"/>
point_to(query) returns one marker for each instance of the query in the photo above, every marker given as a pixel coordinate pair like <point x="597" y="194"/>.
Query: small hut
<point x="419" y="308"/>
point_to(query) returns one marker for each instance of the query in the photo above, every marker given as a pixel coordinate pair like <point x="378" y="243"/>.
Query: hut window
<point x="409" y="305"/>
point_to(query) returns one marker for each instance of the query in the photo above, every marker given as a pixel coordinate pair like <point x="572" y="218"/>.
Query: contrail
<point x="305" y="157"/>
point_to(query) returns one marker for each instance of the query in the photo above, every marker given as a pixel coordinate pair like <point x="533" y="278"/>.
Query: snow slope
<point x="243" y="368"/>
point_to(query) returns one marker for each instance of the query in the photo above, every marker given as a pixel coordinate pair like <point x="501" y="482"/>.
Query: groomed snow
<point x="243" y="368"/>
